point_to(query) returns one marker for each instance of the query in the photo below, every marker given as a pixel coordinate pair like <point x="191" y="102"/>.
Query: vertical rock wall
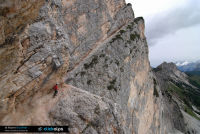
<point x="119" y="70"/>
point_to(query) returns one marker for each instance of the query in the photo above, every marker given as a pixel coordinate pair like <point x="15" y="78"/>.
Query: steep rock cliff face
<point x="33" y="55"/>
<point x="119" y="70"/>
<point x="98" y="47"/>
<point x="56" y="35"/>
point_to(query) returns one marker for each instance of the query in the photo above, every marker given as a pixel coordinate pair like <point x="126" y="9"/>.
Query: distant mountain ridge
<point x="186" y="66"/>
<point x="182" y="92"/>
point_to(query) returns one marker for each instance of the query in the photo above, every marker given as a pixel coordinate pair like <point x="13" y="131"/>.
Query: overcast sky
<point x="172" y="29"/>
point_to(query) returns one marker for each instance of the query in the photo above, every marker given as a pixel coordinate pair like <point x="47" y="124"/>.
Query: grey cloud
<point x="168" y="22"/>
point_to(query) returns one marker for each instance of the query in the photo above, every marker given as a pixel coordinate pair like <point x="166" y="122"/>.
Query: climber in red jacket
<point x="55" y="89"/>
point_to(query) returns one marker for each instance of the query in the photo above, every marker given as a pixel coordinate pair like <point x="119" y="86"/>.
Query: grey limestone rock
<point x="34" y="72"/>
<point x="109" y="70"/>
<point x="87" y="113"/>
